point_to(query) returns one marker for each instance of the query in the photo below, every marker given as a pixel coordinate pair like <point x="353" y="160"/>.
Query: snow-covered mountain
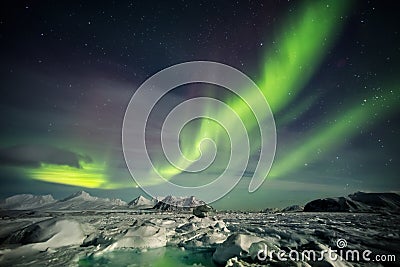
<point x="78" y="201"/>
<point x="141" y="203"/>
<point x="176" y="203"/>
<point x="80" y="195"/>
<point x="357" y="202"/>
<point x="84" y="201"/>
<point x="26" y="202"/>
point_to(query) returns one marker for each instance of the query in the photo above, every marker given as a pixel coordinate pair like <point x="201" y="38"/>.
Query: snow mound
<point x="235" y="245"/>
<point x="142" y="237"/>
<point x="43" y="236"/>
<point x="26" y="202"/>
<point x="51" y="233"/>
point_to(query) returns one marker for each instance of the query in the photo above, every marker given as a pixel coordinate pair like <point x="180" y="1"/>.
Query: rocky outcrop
<point x="340" y="204"/>
<point x="202" y="211"/>
<point x="171" y="203"/>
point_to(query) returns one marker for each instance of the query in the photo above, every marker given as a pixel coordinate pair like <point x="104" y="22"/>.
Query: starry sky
<point x="328" y="69"/>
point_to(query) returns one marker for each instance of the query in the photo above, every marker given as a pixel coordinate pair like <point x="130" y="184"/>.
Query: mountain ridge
<point x="357" y="202"/>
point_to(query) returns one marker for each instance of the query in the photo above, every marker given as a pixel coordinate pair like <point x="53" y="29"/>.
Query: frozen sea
<point x="127" y="238"/>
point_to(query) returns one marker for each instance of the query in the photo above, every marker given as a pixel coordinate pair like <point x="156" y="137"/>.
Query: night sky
<point x="329" y="70"/>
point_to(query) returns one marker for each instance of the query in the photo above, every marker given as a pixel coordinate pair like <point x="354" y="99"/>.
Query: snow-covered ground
<point x="84" y="230"/>
<point x="142" y="238"/>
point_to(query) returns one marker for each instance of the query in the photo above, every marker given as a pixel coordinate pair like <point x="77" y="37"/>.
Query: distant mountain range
<point x="357" y="202"/>
<point x="26" y="202"/>
<point x="84" y="201"/>
<point x="78" y="201"/>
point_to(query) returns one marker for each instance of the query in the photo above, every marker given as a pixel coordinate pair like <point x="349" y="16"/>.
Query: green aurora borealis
<point x="289" y="65"/>
<point x="295" y="58"/>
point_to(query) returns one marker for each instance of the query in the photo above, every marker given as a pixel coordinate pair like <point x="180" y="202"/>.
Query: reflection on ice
<point x="162" y="257"/>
